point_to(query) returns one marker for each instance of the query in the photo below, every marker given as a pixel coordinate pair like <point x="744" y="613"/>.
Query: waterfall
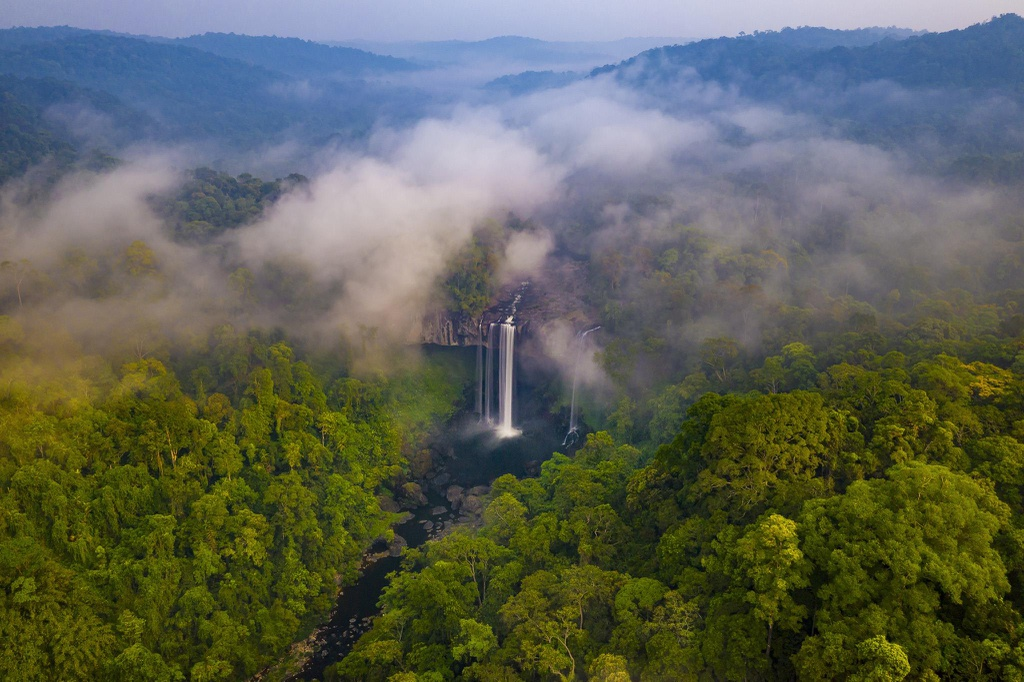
<point x="480" y="369"/>
<point x="496" y="404"/>
<point x="496" y="355"/>
<point x="506" y="377"/>
<point x="489" y="374"/>
<point x="573" y="433"/>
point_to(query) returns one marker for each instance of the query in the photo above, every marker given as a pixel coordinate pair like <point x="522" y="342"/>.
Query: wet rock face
<point x="444" y="328"/>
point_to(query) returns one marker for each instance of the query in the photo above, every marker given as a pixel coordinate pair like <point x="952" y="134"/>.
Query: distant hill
<point x="981" y="56"/>
<point x="11" y="38"/>
<point x="532" y="81"/>
<point x="984" y="55"/>
<point x="166" y="81"/>
<point x="967" y="85"/>
<point x="301" y="58"/>
<point x="26" y="139"/>
<point x="247" y="93"/>
<point x="44" y="93"/>
<point x="189" y="93"/>
<point x="526" y="52"/>
<point x="820" y="38"/>
<point x="131" y="65"/>
<point x="40" y="120"/>
<point x="511" y="48"/>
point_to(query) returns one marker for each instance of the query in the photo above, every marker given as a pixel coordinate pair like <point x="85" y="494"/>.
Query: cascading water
<point x="496" y="405"/>
<point x="574" y="431"/>
<point x="480" y="371"/>
<point x="506" y="378"/>
<point x="489" y="374"/>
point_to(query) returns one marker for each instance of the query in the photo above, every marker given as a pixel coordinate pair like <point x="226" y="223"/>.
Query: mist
<point x="599" y="168"/>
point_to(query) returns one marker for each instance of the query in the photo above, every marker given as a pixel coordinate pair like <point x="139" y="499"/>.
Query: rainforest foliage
<point x="841" y="499"/>
<point x="806" y="462"/>
<point x="185" y="90"/>
<point x="851" y="517"/>
<point x="210" y="202"/>
<point x="187" y="517"/>
<point x="25" y="139"/>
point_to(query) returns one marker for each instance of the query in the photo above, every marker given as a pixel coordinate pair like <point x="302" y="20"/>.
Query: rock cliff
<point x="445" y="328"/>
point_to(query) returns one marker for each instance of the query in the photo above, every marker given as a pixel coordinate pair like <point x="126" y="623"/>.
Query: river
<point x="480" y="458"/>
<point x="357" y="604"/>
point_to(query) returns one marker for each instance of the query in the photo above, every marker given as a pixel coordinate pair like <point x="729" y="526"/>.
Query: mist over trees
<point x="804" y="408"/>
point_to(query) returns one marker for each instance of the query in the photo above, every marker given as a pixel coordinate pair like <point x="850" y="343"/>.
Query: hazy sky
<point x="477" y="19"/>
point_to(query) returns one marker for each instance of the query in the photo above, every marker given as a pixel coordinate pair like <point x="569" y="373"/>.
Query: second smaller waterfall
<point x="574" y="431"/>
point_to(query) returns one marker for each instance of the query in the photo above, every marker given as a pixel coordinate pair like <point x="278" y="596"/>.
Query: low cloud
<point x="612" y="175"/>
<point x="381" y="229"/>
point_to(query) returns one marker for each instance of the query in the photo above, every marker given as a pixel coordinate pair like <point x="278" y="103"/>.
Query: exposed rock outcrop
<point x="445" y="328"/>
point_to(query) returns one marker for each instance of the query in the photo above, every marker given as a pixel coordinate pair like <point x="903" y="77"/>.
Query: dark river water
<point x="479" y="458"/>
<point x="357" y="604"/>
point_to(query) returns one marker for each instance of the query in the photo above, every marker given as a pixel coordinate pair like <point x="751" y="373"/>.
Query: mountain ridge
<point x="984" y="54"/>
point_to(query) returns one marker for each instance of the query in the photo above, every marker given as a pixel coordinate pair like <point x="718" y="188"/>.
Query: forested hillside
<point x="852" y="514"/>
<point x="41" y="126"/>
<point x="981" y="56"/>
<point x="25" y="139"/>
<point x="965" y="85"/>
<point x="184" y="504"/>
<point x="296" y="57"/>
<point x="162" y="524"/>
<point x="824" y="489"/>
<point x="239" y="100"/>
<point x="771" y="283"/>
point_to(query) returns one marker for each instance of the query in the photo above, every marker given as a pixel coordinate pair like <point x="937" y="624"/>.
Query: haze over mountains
<point x="94" y="89"/>
<point x="507" y="55"/>
<point x="789" y="114"/>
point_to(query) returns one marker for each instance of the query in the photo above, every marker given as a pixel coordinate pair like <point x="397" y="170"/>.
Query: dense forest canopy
<point x="294" y="56"/>
<point x="954" y="93"/>
<point x="803" y="408"/>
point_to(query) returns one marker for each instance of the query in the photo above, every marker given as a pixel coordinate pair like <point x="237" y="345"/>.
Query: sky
<point x="394" y="20"/>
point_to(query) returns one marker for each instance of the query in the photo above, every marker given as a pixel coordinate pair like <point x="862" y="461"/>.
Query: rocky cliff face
<point x="557" y="298"/>
<point x="444" y="328"/>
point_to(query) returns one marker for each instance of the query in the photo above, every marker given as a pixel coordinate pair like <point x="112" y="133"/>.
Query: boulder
<point x="388" y="504"/>
<point x="472" y="504"/>
<point x="397" y="545"/>
<point x="454" y="496"/>
<point x="413" y="495"/>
